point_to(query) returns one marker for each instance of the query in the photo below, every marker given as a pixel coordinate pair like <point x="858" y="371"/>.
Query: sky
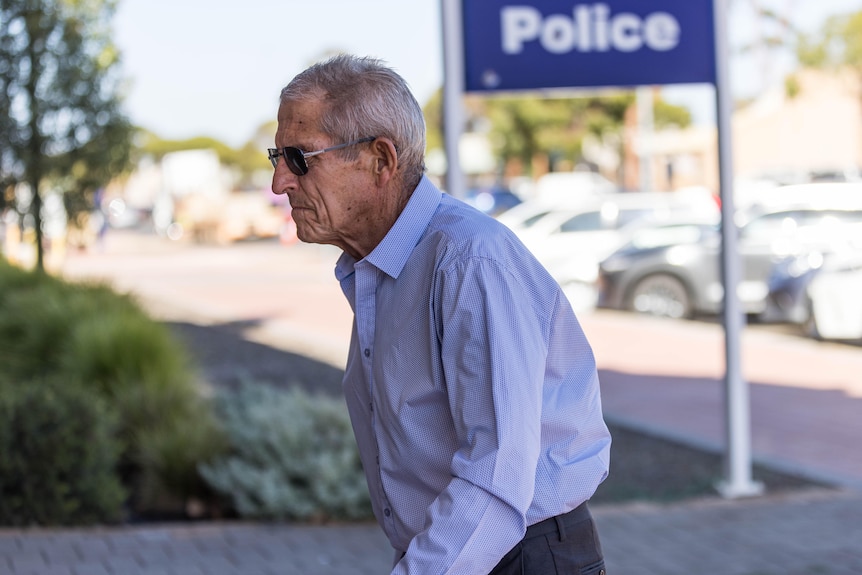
<point x="215" y="67"/>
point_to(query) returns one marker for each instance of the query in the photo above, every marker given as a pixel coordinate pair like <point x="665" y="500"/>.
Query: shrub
<point x="136" y="364"/>
<point x="39" y="314"/>
<point x="33" y="326"/>
<point x="57" y="456"/>
<point x="168" y="457"/>
<point x="91" y="337"/>
<point x="292" y="456"/>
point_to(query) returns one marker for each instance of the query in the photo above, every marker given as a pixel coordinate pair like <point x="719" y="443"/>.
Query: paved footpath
<point x="807" y="532"/>
<point x="816" y="532"/>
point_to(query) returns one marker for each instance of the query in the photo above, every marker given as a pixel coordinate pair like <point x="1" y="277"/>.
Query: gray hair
<point x="365" y="98"/>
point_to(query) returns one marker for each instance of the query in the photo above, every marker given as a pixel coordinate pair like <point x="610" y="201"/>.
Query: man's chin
<point x="309" y="237"/>
<point x="306" y="238"/>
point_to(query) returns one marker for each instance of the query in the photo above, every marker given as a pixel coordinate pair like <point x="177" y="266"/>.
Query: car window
<point x="626" y="217"/>
<point x="667" y="236"/>
<point x="790" y="222"/>
<point x="529" y="222"/>
<point x="584" y="222"/>
<point x="609" y="217"/>
<point x="771" y="225"/>
<point x="831" y="217"/>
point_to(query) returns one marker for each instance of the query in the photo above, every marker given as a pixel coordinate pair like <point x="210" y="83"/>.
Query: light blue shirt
<point x="471" y="387"/>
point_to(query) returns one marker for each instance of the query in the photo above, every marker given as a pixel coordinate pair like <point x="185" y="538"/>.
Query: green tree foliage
<point x="838" y="44"/>
<point x="61" y="126"/>
<point x="524" y="126"/>
<point x="246" y="160"/>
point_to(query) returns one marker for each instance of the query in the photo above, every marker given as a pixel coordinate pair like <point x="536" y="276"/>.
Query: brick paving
<point x="805" y="406"/>
<point x="818" y="531"/>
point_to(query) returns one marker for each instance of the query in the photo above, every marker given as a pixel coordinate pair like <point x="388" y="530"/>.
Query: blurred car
<point x="557" y="191"/>
<point x="530" y="212"/>
<point x="674" y="271"/>
<point x="571" y="242"/>
<point x="787" y="300"/>
<point x="525" y="214"/>
<point x="653" y="271"/>
<point x="849" y="174"/>
<point x="565" y="187"/>
<point x="820" y="292"/>
<point x="836" y="305"/>
<point x="492" y="200"/>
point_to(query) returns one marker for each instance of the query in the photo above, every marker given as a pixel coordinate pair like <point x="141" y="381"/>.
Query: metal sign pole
<point x="738" y="481"/>
<point x="453" y="93"/>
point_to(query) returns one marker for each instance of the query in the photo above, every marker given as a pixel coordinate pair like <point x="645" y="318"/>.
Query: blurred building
<point x="809" y="128"/>
<point x="810" y="125"/>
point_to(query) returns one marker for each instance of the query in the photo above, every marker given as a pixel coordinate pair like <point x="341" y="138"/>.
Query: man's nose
<point x="282" y="178"/>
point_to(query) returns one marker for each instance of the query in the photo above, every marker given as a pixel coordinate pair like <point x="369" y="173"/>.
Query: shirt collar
<point x="392" y="252"/>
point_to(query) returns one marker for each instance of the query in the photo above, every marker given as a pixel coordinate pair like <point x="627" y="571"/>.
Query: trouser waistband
<point x="559" y="523"/>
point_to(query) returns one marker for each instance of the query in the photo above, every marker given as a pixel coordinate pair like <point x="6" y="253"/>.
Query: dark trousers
<point x="567" y="544"/>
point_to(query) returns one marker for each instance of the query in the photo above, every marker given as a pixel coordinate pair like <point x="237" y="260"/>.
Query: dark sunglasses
<point x="295" y="157"/>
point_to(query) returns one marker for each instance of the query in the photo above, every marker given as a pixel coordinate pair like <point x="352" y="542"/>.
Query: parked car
<point x="566" y="187"/>
<point x="787" y="300"/>
<point x="820" y="292"/>
<point x="653" y="271"/>
<point x="836" y="305"/>
<point x="558" y="191"/>
<point x="571" y="242"/>
<point x="493" y="200"/>
<point x="674" y="271"/>
<point x="527" y="214"/>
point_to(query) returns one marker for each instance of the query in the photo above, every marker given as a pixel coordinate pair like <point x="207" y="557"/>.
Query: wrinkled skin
<point x="347" y="203"/>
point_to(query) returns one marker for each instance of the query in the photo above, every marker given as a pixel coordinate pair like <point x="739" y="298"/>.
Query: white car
<point x="835" y="302"/>
<point x="571" y="242"/>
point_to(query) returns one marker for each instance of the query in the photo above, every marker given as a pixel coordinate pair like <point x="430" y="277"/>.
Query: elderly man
<point x="471" y="387"/>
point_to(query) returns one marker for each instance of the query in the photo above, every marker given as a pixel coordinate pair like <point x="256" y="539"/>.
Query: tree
<point x="525" y="126"/>
<point x="61" y="128"/>
<point x="246" y="160"/>
<point x="838" y="43"/>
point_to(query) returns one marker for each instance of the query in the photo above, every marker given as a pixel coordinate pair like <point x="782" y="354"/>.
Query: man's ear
<point x="385" y="160"/>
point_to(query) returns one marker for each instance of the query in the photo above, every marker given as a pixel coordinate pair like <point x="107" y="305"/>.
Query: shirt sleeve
<point x="493" y="346"/>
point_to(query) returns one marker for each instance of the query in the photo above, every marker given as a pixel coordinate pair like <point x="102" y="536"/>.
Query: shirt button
<point x="387" y="512"/>
<point x="367" y="352"/>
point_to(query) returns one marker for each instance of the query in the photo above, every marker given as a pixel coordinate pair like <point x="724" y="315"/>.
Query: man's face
<point x="332" y="202"/>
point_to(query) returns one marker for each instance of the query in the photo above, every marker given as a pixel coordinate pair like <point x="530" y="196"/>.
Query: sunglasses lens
<point x="292" y="157"/>
<point x="295" y="161"/>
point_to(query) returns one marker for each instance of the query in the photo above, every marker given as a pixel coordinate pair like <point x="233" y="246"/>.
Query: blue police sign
<point x="536" y="44"/>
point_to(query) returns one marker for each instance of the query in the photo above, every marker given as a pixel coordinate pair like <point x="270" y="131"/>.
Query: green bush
<point x="135" y="363"/>
<point x="58" y="456"/>
<point x="293" y="456"/>
<point x="90" y="337"/>
<point x="33" y="324"/>
<point x="169" y="481"/>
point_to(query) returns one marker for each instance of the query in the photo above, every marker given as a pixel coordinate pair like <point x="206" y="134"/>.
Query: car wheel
<point x="661" y="295"/>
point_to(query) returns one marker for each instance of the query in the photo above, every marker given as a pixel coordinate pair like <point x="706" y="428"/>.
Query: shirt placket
<point x="366" y="314"/>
